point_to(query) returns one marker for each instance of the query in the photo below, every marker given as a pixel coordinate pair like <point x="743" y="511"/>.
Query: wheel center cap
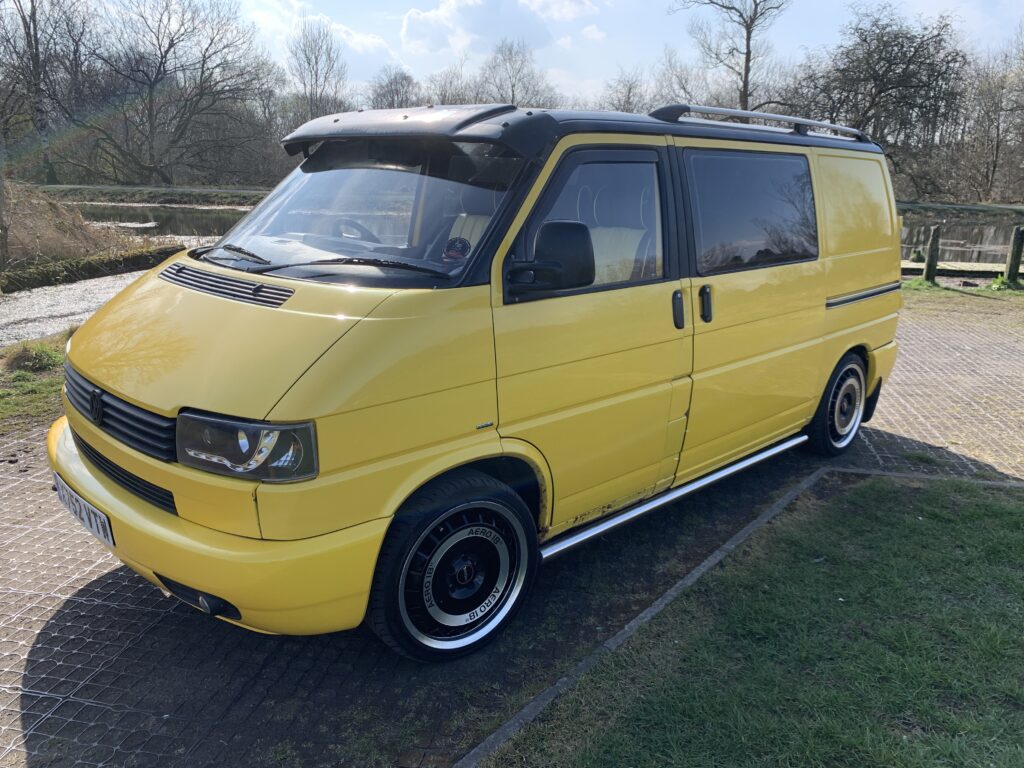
<point x="465" y="571"/>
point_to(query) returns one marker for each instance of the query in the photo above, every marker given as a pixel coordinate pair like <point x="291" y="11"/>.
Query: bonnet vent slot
<point x="248" y="291"/>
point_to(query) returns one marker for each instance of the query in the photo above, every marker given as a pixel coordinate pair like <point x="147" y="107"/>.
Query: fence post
<point x="1012" y="273"/>
<point x="931" y="261"/>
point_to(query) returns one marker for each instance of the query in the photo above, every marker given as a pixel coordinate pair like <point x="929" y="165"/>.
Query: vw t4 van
<point x="458" y="341"/>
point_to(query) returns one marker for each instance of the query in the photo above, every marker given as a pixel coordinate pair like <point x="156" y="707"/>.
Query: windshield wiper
<point x="243" y="254"/>
<point x="358" y="260"/>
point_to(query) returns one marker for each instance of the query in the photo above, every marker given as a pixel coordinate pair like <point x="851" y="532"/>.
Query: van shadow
<point x="118" y="675"/>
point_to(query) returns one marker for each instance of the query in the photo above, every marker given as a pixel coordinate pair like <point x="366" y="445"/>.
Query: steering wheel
<point x="364" y="233"/>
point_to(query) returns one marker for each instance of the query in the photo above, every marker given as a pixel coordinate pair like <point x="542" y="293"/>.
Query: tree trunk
<point x="748" y="56"/>
<point x="931" y="261"/>
<point x="5" y="253"/>
<point x="1012" y="273"/>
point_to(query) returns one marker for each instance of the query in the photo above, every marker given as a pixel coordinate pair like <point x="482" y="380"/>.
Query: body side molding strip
<point x="568" y="541"/>
<point x="870" y="293"/>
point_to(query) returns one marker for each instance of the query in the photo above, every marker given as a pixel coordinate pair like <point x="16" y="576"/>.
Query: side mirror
<point x="563" y="259"/>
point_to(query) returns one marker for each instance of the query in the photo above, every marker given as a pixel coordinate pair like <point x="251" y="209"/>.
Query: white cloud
<point x="593" y="32"/>
<point x="565" y="42"/>
<point x="275" y="20"/>
<point x="361" y="42"/>
<point x="438" y="29"/>
<point x="560" y="10"/>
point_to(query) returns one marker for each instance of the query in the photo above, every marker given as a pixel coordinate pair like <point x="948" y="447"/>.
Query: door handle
<point x="705" y="303"/>
<point x="678" y="313"/>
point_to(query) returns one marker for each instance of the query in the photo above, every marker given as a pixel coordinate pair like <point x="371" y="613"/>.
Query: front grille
<point x="145" y="490"/>
<point x="249" y="291"/>
<point x="136" y="427"/>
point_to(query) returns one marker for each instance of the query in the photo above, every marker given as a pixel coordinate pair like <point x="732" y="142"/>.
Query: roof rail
<point x="673" y="112"/>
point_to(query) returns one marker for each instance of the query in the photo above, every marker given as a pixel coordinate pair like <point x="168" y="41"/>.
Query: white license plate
<point x="96" y="522"/>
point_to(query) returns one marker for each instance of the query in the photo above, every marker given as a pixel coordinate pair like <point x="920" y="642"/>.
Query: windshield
<point x="377" y="212"/>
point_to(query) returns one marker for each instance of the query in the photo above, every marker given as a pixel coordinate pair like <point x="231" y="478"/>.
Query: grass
<point x="920" y="284"/>
<point x="922" y="457"/>
<point x="31" y="375"/>
<point x="879" y="627"/>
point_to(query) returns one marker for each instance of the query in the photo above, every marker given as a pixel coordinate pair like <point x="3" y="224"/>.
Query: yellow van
<point x="458" y="341"/>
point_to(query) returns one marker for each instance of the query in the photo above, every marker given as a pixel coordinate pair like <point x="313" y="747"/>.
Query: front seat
<point x="620" y="234"/>
<point x="478" y="206"/>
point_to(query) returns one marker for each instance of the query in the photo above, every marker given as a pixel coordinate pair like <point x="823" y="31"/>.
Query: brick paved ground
<point x="96" y="667"/>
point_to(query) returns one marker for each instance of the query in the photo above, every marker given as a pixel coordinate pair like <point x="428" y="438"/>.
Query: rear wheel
<point x="840" y="413"/>
<point x="456" y="564"/>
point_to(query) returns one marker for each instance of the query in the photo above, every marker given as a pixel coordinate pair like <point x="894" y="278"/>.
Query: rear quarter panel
<point x="861" y="238"/>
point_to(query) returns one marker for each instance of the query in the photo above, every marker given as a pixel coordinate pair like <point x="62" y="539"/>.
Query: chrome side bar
<point x="572" y="539"/>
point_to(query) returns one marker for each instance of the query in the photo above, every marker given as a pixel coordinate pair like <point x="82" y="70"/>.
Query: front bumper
<point x="302" y="587"/>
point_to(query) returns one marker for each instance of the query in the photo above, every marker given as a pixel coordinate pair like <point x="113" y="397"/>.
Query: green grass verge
<point x="72" y="270"/>
<point x="31" y="376"/>
<point x="879" y="628"/>
<point x="920" y="284"/>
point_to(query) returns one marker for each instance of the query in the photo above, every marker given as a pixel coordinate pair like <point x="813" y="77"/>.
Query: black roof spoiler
<point x="526" y="132"/>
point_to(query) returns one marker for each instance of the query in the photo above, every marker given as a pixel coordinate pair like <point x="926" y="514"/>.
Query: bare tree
<point x="316" y="64"/>
<point x="511" y="76"/>
<point x="393" y="88"/>
<point x="675" y="82"/>
<point x="29" y="38"/>
<point x="735" y="42"/>
<point x="628" y="91"/>
<point x="451" y="86"/>
<point x="12" y="105"/>
<point x="177" y="76"/>
<point x="902" y="81"/>
<point x="988" y="122"/>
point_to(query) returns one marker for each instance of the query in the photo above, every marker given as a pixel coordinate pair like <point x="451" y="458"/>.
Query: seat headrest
<point x="477" y="201"/>
<point x="620" y="207"/>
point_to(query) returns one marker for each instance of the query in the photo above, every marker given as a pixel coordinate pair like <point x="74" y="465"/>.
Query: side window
<point x="750" y="209"/>
<point x="620" y="204"/>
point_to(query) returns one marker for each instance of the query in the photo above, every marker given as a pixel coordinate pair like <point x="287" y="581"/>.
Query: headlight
<point x="274" y="453"/>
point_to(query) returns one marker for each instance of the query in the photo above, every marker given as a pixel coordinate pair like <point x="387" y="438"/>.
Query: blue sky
<point x="581" y="43"/>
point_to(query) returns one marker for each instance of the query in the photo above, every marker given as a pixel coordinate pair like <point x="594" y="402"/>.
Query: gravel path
<point x="42" y="311"/>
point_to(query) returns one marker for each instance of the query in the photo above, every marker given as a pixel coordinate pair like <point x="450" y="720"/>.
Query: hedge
<point x="73" y="270"/>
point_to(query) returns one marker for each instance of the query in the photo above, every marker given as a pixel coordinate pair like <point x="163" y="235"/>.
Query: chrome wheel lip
<point x="849" y="385"/>
<point x="504" y="602"/>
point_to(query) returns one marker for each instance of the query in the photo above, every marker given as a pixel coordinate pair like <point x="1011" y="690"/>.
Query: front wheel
<point x="840" y="413"/>
<point x="456" y="564"/>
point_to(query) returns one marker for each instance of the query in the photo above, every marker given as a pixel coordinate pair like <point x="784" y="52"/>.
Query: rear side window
<point x="750" y="209"/>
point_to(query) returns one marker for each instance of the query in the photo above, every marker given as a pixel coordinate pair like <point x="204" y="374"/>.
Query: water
<point x="975" y="243"/>
<point x="163" y="219"/>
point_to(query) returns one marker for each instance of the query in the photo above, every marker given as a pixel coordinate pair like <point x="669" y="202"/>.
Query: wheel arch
<point x="863" y="351"/>
<point x="516" y="463"/>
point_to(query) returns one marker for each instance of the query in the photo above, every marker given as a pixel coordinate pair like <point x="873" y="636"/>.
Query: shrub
<point x="1002" y="284"/>
<point x="36" y="358"/>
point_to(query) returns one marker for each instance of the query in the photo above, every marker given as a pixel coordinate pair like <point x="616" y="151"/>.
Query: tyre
<point x="840" y="413"/>
<point x="456" y="564"/>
